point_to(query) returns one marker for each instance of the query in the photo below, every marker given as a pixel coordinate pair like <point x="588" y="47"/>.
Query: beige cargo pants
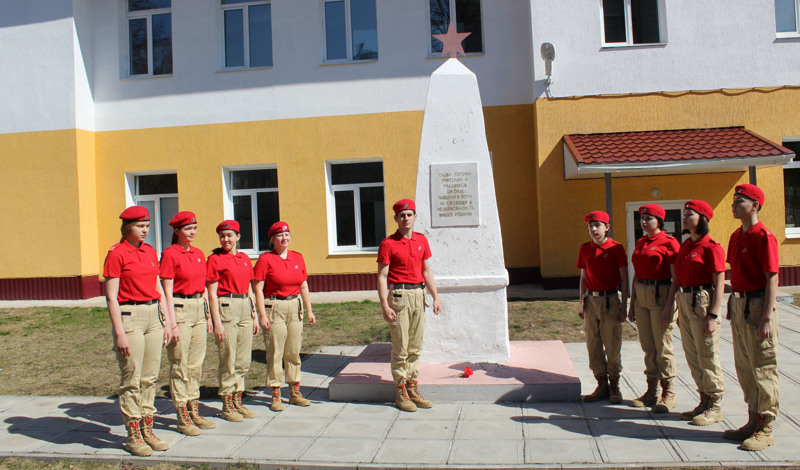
<point x="186" y="357"/>
<point x="656" y="341"/>
<point x="603" y="332"/>
<point x="283" y="340"/>
<point x="407" y="331"/>
<point x="235" y="351"/>
<point x="702" y="352"/>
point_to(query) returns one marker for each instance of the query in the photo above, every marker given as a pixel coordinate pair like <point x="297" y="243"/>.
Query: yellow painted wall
<point x="86" y="166"/>
<point x="39" y="194"/>
<point x="562" y="204"/>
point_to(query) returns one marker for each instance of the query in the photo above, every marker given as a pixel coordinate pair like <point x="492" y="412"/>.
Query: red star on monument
<point x="451" y="42"/>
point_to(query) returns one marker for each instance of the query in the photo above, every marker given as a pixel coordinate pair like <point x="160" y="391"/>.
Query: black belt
<point x="139" y="302"/>
<point x="190" y="296"/>
<point x="601" y="293"/>
<point x="753" y="294"/>
<point x="696" y="288"/>
<point x="655" y="282"/>
<point x="421" y="285"/>
<point x="235" y="296"/>
<point x="278" y="297"/>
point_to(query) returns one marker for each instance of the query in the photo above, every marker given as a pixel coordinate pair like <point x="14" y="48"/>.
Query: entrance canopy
<point x="715" y="150"/>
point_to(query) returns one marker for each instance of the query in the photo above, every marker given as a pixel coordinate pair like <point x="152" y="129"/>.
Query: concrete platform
<point x="538" y="371"/>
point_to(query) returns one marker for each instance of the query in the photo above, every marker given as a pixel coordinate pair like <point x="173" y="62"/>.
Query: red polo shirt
<point x="698" y="261"/>
<point x="652" y="256"/>
<point x="137" y="270"/>
<point x="232" y="272"/>
<point x="751" y="255"/>
<point x="601" y="264"/>
<point x="186" y="267"/>
<point x="282" y="277"/>
<point x="405" y="257"/>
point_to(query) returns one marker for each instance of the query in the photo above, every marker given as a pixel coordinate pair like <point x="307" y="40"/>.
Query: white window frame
<point x="133" y="199"/>
<point x="348" y="36"/>
<point x="227" y="181"/>
<point x="246" y="31"/>
<point x="791" y="34"/>
<point x="662" y="27"/>
<point x="148" y="15"/>
<point x="333" y="248"/>
<point x="454" y="20"/>
<point x="791" y="232"/>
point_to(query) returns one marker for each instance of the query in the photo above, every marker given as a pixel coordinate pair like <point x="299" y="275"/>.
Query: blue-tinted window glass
<point x="468" y="18"/>
<point x="785" y="16"/>
<point x="243" y="213"/>
<point x="365" y="30"/>
<point x="139" y="5"/>
<point x="234" y="38"/>
<point x="356" y="173"/>
<point x="268" y="214"/>
<point x="440" y="21"/>
<point x="260" y="22"/>
<point x="335" y="31"/>
<point x="345" y="218"/>
<point x="137" y="30"/>
<point x="373" y="228"/>
<point x="644" y="21"/>
<point x="162" y="44"/>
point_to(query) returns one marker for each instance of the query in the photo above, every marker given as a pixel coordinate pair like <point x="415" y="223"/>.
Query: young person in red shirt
<point x="753" y="256"/>
<point x="699" y="287"/>
<point x="604" y="273"/>
<point x="230" y="298"/>
<point x="403" y="274"/>
<point x="280" y="283"/>
<point x="183" y="278"/>
<point x="140" y="327"/>
<point x="654" y="268"/>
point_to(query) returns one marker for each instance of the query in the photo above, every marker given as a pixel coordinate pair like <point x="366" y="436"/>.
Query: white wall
<point x="37" y="82"/>
<point x="711" y="44"/>
<point x="297" y="85"/>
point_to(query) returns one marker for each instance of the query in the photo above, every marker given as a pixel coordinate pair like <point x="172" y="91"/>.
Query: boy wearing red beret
<point x="753" y="256"/>
<point x="604" y="272"/>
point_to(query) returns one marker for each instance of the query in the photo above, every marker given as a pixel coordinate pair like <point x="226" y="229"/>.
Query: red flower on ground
<point x="467" y="372"/>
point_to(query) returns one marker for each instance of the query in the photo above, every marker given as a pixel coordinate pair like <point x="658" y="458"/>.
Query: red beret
<point x="701" y="207"/>
<point x="278" y="227"/>
<point x="138" y="213"/>
<point x="228" y="225"/>
<point x="404" y="205"/>
<point x="597" y="216"/>
<point x="654" y="210"/>
<point x="182" y="218"/>
<point x="751" y="191"/>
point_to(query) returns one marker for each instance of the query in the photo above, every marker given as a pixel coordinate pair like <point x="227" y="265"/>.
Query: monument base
<point x="537" y="371"/>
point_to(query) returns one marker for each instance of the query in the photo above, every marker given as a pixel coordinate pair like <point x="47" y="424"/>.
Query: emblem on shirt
<point x="199" y="260"/>
<point x="744" y="250"/>
<point x="296" y="267"/>
<point x="152" y="263"/>
<point x="653" y="249"/>
<point x="605" y="255"/>
<point x="694" y="254"/>
<point x="419" y="248"/>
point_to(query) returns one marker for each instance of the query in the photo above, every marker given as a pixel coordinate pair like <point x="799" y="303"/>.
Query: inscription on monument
<point x="454" y="194"/>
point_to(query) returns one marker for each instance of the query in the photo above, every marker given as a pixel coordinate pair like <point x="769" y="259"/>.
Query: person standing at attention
<point x="654" y="269"/>
<point x="753" y="256"/>
<point x="604" y="273"/>
<point x="403" y="274"/>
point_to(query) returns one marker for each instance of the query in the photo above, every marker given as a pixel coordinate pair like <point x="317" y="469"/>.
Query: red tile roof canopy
<point x="669" y="151"/>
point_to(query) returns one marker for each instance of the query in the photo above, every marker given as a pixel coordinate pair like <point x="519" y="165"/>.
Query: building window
<point x="787" y="18"/>
<point x="253" y="202"/>
<point x="150" y="37"/>
<point x="627" y="22"/>
<point x="791" y="189"/>
<point x="356" y="206"/>
<point x="159" y="194"/>
<point x="247" y="28"/>
<point x="467" y="20"/>
<point x="351" y="30"/>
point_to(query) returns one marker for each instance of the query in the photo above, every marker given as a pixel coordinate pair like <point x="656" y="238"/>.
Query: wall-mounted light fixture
<point x="548" y="54"/>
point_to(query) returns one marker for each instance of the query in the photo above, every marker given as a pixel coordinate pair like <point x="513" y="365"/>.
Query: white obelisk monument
<point x="457" y="211"/>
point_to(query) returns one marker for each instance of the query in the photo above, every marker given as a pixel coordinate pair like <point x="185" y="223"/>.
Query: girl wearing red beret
<point x="183" y="277"/>
<point x="230" y="299"/>
<point x="280" y="284"/>
<point x="139" y="326"/>
<point x="699" y="286"/>
<point x="654" y="268"/>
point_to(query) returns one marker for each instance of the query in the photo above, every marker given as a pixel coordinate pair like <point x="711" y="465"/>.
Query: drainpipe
<point x="753" y="175"/>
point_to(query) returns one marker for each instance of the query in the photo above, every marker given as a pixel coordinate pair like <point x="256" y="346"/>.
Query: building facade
<point x="310" y="112"/>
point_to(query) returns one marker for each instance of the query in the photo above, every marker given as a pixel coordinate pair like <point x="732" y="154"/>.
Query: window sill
<point x="792" y="232"/>
<point x="348" y="62"/>
<point x="791" y="35"/>
<point x="242" y="69"/>
<point x="143" y="77"/>
<point x="437" y="55"/>
<point x="632" y="46"/>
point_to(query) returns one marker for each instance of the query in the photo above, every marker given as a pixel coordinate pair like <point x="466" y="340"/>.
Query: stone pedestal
<point x="457" y="211"/>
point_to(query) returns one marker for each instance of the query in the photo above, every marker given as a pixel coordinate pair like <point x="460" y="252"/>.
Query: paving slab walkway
<point x="451" y="435"/>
